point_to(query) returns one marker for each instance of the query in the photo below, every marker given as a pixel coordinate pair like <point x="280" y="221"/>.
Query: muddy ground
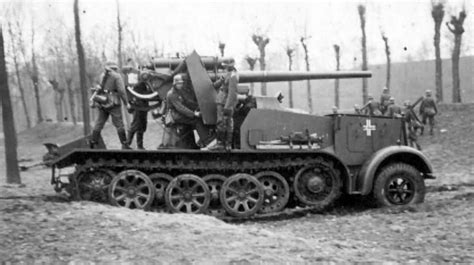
<point x="38" y="225"/>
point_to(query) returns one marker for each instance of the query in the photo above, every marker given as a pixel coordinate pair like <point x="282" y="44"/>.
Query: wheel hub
<point x="242" y="195"/>
<point x="131" y="192"/>
<point x="315" y="184"/>
<point x="187" y="196"/>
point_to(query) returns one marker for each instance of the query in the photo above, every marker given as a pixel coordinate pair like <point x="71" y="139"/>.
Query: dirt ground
<point x="38" y="225"/>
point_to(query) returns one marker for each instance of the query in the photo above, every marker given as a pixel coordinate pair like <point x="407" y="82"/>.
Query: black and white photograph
<point x="236" y="132"/>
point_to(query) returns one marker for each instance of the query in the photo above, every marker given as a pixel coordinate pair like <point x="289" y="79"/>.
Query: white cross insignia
<point x="368" y="127"/>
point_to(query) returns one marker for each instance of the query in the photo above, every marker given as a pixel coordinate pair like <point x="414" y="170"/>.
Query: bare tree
<point x="12" y="172"/>
<point x="82" y="70"/>
<point x="362" y="10"/>
<point x="69" y="71"/>
<point x="387" y="54"/>
<point x="437" y="12"/>
<point x="251" y="61"/>
<point x="120" y="56"/>
<point x="336" y="82"/>
<point x="261" y="41"/>
<point x="221" y="48"/>
<point x="14" y="52"/>
<point x="308" y="82"/>
<point x="290" y="53"/>
<point x="58" y="98"/>
<point x="456" y="27"/>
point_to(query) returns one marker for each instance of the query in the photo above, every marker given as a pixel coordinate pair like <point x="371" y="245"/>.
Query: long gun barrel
<point x="282" y="76"/>
<point x="208" y="62"/>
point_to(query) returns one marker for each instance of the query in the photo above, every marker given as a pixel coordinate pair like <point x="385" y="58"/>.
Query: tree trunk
<point x="82" y="70"/>
<point x="361" y="9"/>
<point x="17" y="73"/>
<point x="308" y="82"/>
<point x="120" y="58"/>
<point x="336" y="82"/>
<point x="455" y="61"/>
<point x="251" y="61"/>
<point x="289" y="53"/>
<point x="456" y="27"/>
<point x="35" y="79"/>
<point x="72" y="105"/>
<point x="12" y="172"/>
<point x="261" y="42"/>
<point x="221" y="48"/>
<point x="437" y="12"/>
<point x="387" y="54"/>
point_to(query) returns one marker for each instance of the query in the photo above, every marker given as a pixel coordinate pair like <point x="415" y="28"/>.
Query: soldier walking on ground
<point x="108" y="103"/>
<point x="226" y="101"/>
<point x="384" y="100"/>
<point x="428" y="111"/>
<point x="412" y="124"/>
<point x="393" y="110"/>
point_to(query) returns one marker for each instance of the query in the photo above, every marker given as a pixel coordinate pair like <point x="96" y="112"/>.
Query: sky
<point x="182" y="26"/>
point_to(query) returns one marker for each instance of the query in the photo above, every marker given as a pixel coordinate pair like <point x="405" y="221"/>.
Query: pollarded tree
<point x="290" y="51"/>
<point x="221" y="48"/>
<point x="251" y="61"/>
<point x="12" y="172"/>
<point x="261" y="41"/>
<point x="308" y="82"/>
<point x="456" y="27"/>
<point x="362" y="10"/>
<point x="338" y="67"/>
<point x="437" y="12"/>
<point x="387" y="54"/>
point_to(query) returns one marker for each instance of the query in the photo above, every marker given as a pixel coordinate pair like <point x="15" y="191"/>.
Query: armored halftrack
<point x="281" y="158"/>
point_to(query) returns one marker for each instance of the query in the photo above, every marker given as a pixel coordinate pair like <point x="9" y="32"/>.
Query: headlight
<point x="132" y="79"/>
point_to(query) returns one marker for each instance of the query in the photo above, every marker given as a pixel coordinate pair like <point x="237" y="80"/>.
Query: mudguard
<point x="387" y="155"/>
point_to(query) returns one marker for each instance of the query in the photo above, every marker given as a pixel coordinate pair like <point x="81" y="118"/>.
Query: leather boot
<point x="94" y="140"/>
<point x="220" y="144"/>
<point x="422" y="129"/>
<point x="130" y="135"/>
<point x="140" y="141"/>
<point x="123" y="139"/>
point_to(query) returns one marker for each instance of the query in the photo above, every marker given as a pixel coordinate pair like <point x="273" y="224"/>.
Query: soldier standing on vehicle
<point x="393" y="110"/>
<point x="384" y="100"/>
<point x="139" y="122"/>
<point x="184" y="110"/>
<point x="112" y="89"/>
<point x="428" y="111"/>
<point x="226" y="101"/>
<point x="412" y="124"/>
<point x="372" y="107"/>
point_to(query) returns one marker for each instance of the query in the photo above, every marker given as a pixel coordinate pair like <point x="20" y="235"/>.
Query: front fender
<point x="387" y="155"/>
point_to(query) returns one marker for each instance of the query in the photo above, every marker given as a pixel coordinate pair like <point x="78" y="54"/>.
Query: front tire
<point x="399" y="184"/>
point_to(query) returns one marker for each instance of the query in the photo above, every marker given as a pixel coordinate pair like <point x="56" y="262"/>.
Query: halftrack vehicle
<point x="281" y="159"/>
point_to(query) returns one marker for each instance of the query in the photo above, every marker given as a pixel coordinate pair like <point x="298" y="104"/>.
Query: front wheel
<point x="399" y="184"/>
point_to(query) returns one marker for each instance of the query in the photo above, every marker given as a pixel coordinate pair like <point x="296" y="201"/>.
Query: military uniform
<point x="113" y="85"/>
<point x="139" y="122"/>
<point x="428" y="110"/>
<point x="412" y="125"/>
<point x="226" y="101"/>
<point x="393" y="110"/>
<point x="182" y="106"/>
<point x="372" y="108"/>
<point x="384" y="101"/>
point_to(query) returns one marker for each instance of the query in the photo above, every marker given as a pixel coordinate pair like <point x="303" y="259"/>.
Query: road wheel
<point x="399" y="184"/>
<point x="160" y="182"/>
<point x="242" y="195"/>
<point x="131" y="189"/>
<point x="214" y="183"/>
<point x="275" y="189"/>
<point x="317" y="185"/>
<point x="187" y="193"/>
<point x="92" y="184"/>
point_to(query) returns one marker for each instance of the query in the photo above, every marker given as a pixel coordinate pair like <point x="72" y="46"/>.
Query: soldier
<point x="428" y="111"/>
<point x="357" y="109"/>
<point x="184" y="110"/>
<point x="139" y="122"/>
<point x="113" y="90"/>
<point x="226" y="101"/>
<point x="393" y="110"/>
<point x="372" y="107"/>
<point x="384" y="100"/>
<point x="412" y="124"/>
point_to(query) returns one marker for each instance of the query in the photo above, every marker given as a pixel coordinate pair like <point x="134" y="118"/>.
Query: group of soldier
<point x="181" y="115"/>
<point x="387" y="107"/>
